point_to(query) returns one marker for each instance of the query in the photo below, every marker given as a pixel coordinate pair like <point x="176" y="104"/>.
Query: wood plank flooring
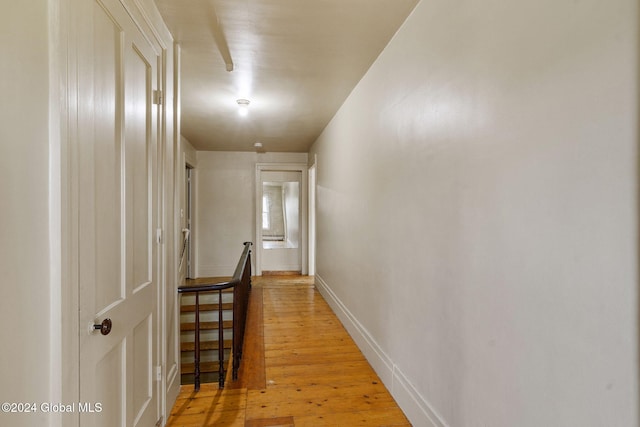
<point x="300" y="368"/>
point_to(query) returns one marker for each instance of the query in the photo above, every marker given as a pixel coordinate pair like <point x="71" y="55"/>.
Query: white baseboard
<point x="419" y="412"/>
<point x="282" y="267"/>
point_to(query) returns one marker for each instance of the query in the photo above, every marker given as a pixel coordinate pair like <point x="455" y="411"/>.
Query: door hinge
<point x="157" y="97"/>
<point x="158" y="373"/>
<point x="159" y="236"/>
<point x="159" y="423"/>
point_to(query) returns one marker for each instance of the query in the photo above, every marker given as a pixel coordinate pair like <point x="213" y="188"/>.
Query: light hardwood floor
<point x="300" y="368"/>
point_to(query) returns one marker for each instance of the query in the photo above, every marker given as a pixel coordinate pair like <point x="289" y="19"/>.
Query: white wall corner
<point x="415" y="407"/>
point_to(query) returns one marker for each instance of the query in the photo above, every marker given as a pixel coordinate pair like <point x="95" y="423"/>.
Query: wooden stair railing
<point x="241" y="285"/>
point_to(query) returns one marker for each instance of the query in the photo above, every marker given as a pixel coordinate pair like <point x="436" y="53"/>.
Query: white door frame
<point x="291" y="167"/>
<point x="312" y="219"/>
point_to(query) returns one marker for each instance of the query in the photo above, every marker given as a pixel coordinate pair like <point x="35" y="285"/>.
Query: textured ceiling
<point x="295" y="60"/>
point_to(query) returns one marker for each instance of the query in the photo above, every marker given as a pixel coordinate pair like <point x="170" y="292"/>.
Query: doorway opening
<point x="186" y="257"/>
<point x="281" y="219"/>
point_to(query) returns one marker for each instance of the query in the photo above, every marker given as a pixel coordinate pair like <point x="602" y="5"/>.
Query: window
<point x="265" y="212"/>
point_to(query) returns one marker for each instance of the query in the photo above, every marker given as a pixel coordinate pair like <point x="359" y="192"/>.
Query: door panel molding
<point x="118" y="209"/>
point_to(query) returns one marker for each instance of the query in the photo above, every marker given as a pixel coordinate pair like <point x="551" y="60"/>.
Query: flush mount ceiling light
<point x="243" y="107"/>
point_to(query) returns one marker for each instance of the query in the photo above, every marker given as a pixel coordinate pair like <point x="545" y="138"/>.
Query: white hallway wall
<point x="477" y="213"/>
<point x="225" y="211"/>
<point x="29" y="242"/>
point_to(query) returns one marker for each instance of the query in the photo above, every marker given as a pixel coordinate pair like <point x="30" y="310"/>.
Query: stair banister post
<point x="196" y="356"/>
<point x="220" y="342"/>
